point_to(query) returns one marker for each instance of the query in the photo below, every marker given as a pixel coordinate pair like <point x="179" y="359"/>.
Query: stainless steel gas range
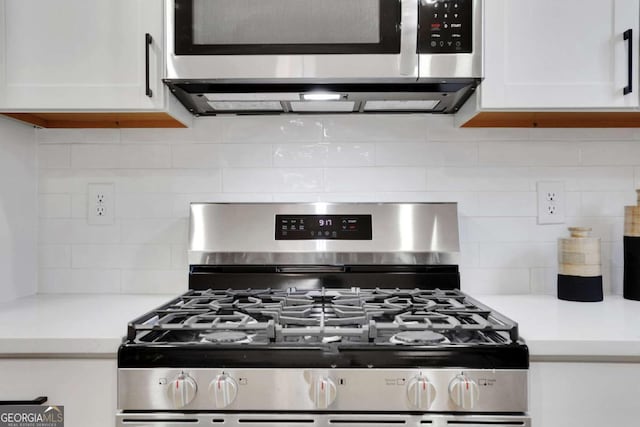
<point x="322" y="315"/>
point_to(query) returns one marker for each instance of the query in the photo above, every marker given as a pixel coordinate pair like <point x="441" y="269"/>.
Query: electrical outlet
<point x="100" y="206"/>
<point x="551" y="202"/>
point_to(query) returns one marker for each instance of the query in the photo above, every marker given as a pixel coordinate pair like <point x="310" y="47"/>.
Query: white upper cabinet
<point x="569" y="54"/>
<point x="79" y="54"/>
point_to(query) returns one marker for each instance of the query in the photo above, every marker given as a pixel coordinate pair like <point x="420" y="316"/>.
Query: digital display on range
<point x="331" y="227"/>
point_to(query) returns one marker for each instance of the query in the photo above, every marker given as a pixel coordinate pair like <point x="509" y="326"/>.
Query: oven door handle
<point x="409" y="38"/>
<point x="37" y="401"/>
<point x="312" y="269"/>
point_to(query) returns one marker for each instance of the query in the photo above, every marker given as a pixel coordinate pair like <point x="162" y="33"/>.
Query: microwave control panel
<point x="446" y="26"/>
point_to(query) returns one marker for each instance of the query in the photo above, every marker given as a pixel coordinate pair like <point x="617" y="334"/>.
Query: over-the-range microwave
<point x="280" y="56"/>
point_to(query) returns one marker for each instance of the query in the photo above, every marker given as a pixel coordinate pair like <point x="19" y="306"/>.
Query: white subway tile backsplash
<point x="508" y="229"/>
<point x="131" y="257"/>
<point x="490" y="173"/>
<point x="95" y="256"/>
<point x="368" y="128"/>
<point x="54" y="280"/>
<point x="79" y="207"/>
<point x="578" y="134"/>
<point x="375" y="179"/>
<point x="617" y="282"/>
<point x="272" y="180"/>
<point x="95" y="156"/>
<point x="212" y="156"/>
<point x="54" y="205"/>
<point x="77" y="136"/>
<point x="145" y="156"/>
<point x="54" y="156"/>
<point x="212" y="130"/>
<point x="480" y="179"/>
<point x="93" y="136"/>
<point x="181" y="202"/>
<point x="154" y="205"/>
<point x="145" y="257"/>
<point x="544" y="281"/>
<point x="592" y="178"/>
<point x="81" y="232"/>
<point x="179" y="257"/>
<point x="482" y="281"/>
<point x="206" y="181"/>
<point x="358" y="197"/>
<point x="324" y="154"/>
<point x="469" y="254"/>
<point x="154" y="231"/>
<point x="269" y="129"/>
<point x="602" y="203"/>
<point x="506" y="204"/>
<point x="525" y="153"/>
<point x="60" y="136"/>
<point x="610" y="153"/>
<point x="55" y="231"/>
<point x="517" y="255"/>
<point x="572" y="205"/>
<point x="154" y="281"/>
<point x="73" y="181"/>
<point x="156" y="135"/>
<point x="54" y="256"/>
<point x="426" y="154"/>
<point x="95" y="281"/>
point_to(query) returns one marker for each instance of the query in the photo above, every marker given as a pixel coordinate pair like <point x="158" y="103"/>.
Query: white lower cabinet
<point x="85" y="387"/>
<point x="566" y="394"/>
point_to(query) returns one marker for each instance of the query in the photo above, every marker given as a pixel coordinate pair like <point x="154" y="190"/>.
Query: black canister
<point x="631" y="285"/>
<point x="579" y="267"/>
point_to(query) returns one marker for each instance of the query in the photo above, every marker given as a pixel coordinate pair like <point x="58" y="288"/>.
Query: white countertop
<point x="85" y="324"/>
<point x="563" y="329"/>
<point x="93" y="325"/>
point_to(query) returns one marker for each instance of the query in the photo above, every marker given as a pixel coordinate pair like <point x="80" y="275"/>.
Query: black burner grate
<point x="343" y="316"/>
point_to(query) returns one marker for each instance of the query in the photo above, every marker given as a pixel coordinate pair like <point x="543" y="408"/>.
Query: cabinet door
<point x="559" y="54"/>
<point x="85" y="387"/>
<point x="584" y="394"/>
<point x="79" y="54"/>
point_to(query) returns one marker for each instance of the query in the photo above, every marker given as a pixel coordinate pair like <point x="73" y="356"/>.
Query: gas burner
<point x="418" y="338"/>
<point x="226" y="337"/>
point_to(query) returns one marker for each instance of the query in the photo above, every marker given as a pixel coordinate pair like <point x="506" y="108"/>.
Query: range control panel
<point x="445" y="26"/>
<point x="334" y="227"/>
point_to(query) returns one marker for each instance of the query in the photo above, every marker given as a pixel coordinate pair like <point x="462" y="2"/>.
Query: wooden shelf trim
<point x="526" y="119"/>
<point x="98" y="120"/>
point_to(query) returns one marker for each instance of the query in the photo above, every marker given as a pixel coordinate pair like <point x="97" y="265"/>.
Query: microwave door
<point x="276" y="39"/>
<point x="400" y="63"/>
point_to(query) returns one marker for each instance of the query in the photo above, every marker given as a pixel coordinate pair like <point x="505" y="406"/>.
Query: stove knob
<point x="420" y="392"/>
<point x="224" y="390"/>
<point x="182" y="390"/>
<point x="323" y="392"/>
<point x="464" y="392"/>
